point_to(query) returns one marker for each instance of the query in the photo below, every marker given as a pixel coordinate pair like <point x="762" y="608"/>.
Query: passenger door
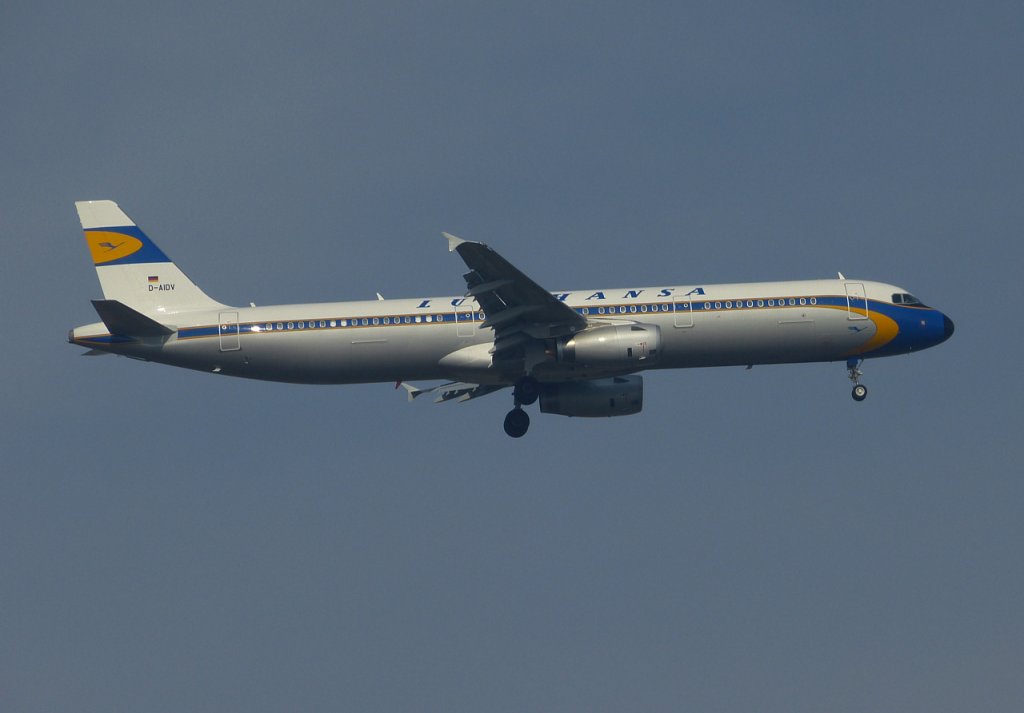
<point x="856" y="301"/>
<point x="228" y="331"/>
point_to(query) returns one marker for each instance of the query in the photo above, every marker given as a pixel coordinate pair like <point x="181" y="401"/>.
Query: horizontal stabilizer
<point x="123" y="321"/>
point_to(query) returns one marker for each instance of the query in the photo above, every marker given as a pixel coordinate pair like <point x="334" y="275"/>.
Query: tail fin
<point x="132" y="269"/>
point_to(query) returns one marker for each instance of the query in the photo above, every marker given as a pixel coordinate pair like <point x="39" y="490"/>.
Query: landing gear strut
<point x="526" y="391"/>
<point x="860" y="392"/>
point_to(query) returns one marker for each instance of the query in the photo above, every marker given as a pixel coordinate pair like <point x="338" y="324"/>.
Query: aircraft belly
<point x="327" y="357"/>
<point x="762" y="337"/>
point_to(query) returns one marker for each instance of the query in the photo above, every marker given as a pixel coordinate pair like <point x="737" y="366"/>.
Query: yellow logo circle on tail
<point x="107" y="247"/>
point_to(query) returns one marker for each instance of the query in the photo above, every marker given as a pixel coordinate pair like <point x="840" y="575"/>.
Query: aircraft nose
<point x="949" y="327"/>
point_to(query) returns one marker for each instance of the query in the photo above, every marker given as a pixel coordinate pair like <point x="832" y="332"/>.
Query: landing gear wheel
<point x="517" y="422"/>
<point x="526" y="391"/>
<point x="860" y="392"/>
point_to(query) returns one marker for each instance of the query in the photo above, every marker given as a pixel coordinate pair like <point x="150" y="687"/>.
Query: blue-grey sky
<point x="754" y="540"/>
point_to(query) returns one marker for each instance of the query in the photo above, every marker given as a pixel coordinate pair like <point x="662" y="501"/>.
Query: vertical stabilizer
<point x="132" y="269"/>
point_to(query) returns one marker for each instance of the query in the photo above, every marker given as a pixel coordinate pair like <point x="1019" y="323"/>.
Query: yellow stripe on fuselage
<point x="886" y="330"/>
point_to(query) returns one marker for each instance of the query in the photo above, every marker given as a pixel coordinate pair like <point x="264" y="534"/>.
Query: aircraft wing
<point x="517" y="308"/>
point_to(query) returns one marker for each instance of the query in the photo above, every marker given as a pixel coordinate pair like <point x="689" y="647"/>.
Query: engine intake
<point x="617" y="396"/>
<point x="621" y="345"/>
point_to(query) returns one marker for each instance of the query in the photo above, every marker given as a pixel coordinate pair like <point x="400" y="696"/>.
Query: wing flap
<point x="488" y="287"/>
<point x="454" y="391"/>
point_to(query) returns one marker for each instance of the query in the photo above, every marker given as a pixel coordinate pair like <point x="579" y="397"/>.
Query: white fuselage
<point x="396" y="340"/>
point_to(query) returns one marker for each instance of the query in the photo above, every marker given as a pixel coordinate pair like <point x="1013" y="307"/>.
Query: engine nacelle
<point x="617" y="396"/>
<point x="628" y="346"/>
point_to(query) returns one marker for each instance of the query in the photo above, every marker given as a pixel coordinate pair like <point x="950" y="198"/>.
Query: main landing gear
<point x="517" y="421"/>
<point x="860" y="392"/>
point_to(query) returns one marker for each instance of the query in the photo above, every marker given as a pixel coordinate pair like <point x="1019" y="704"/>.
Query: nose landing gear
<point x="860" y="392"/>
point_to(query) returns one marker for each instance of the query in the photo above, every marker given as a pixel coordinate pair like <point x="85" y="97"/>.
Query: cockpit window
<point x="902" y="298"/>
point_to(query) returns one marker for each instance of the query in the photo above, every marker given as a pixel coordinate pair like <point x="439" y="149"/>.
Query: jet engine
<point x="617" y="396"/>
<point x="628" y="346"/>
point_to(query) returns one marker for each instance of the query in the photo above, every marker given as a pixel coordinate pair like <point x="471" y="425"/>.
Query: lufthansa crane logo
<point x="107" y="246"/>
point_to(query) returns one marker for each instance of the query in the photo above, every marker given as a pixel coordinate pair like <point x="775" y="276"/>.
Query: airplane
<point x="576" y="352"/>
